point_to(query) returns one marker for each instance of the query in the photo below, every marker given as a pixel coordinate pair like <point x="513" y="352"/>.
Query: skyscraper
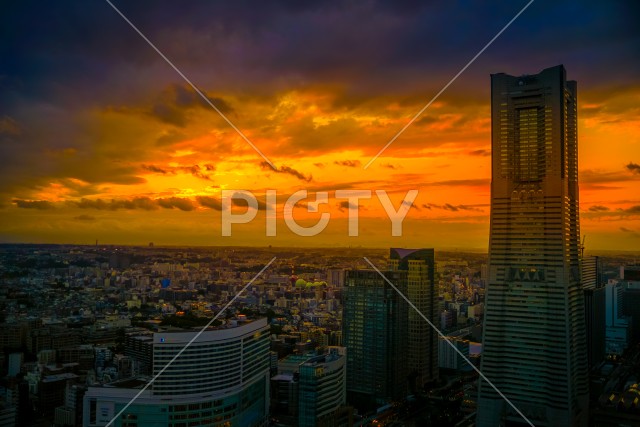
<point x="422" y="349"/>
<point x="322" y="390"/>
<point x="617" y="325"/>
<point x="375" y="334"/>
<point x="534" y="331"/>
<point x="594" y="309"/>
<point x="309" y="390"/>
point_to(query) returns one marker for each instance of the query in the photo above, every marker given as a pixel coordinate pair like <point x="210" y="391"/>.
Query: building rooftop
<point x="59" y="377"/>
<point x="135" y="382"/>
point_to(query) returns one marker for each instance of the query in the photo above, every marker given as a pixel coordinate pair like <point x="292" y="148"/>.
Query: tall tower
<point x="374" y="322"/>
<point x="534" y="331"/>
<point x="422" y="350"/>
<point x="594" y="308"/>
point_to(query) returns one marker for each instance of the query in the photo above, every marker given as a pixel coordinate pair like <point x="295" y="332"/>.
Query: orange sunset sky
<point x="101" y="139"/>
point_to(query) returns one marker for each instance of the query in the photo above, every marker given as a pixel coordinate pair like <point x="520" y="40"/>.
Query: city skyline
<point x="103" y="140"/>
<point x="80" y="323"/>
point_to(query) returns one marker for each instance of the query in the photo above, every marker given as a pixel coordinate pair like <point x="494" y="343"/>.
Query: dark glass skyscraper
<point x="534" y="330"/>
<point x="595" y="309"/>
<point x="422" y="350"/>
<point x="375" y="333"/>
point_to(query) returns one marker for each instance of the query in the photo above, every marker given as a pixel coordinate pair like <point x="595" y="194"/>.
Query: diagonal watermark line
<point x="419" y="113"/>
<point x="448" y="341"/>
<point x="190" y="342"/>
<point x="203" y="96"/>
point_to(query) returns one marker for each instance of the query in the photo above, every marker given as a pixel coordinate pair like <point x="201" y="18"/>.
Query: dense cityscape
<point x="82" y="326"/>
<point x="206" y="220"/>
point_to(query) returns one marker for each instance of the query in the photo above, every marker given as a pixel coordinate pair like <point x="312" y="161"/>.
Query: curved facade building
<point x="220" y="379"/>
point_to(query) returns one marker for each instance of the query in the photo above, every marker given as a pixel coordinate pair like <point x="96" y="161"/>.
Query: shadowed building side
<point x="375" y="334"/>
<point x="422" y="350"/>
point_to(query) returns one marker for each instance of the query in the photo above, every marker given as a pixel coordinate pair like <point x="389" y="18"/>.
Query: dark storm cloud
<point x="174" y="103"/>
<point x="198" y="172"/>
<point x="136" y="203"/>
<point x="462" y="182"/>
<point x="270" y="44"/>
<point x="307" y="137"/>
<point x="142" y="203"/>
<point x="63" y="59"/>
<point x="84" y="217"/>
<point x="286" y="169"/>
<point x="176" y="202"/>
<point x="619" y="212"/>
<point x="344" y="205"/>
<point x="54" y="147"/>
<point x="8" y="126"/>
<point x="411" y="205"/>
<point x="481" y="152"/>
<point x="389" y="166"/>
<point x="453" y="208"/>
<point x="605" y="177"/>
<point x="210" y="202"/>
<point x="156" y="169"/>
<point x="633" y="167"/>
<point x="242" y="203"/>
<point x="195" y="170"/>
<point x="170" y="137"/>
<point x="33" y="204"/>
<point x="348" y="163"/>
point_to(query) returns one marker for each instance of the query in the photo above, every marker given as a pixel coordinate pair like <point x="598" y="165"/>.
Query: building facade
<point x="220" y="379"/>
<point x="534" y="346"/>
<point x="630" y="276"/>
<point x="375" y="334"/>
<point x="594" y="308"/>
<point x="322" y="390"/>
<point x="448" y="358"/>
<point x="618" y="326"/>
<point x="422" y="350"/>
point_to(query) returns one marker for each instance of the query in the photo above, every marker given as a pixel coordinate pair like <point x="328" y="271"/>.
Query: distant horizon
<point x="588" y="252"/>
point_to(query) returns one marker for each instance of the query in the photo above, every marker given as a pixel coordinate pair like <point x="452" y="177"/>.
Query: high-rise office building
<point x="534" y="347"/>
<point x="375" y="334"/>
<point x="422" y="349"/>
<point x="591" y="270"/>
<point x="630" y="277"/>
<point x="15" y="364"/>
<point x="594" y="309"/>
<point x="222" y="378"/>
<point x="617" y="325"/>
<point x="448" y="358"/>
<point x="322" y="390"/>
<point x="310" y="390"/>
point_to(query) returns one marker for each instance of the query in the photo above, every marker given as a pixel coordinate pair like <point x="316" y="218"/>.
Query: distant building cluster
<point x="85" y="328"/>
